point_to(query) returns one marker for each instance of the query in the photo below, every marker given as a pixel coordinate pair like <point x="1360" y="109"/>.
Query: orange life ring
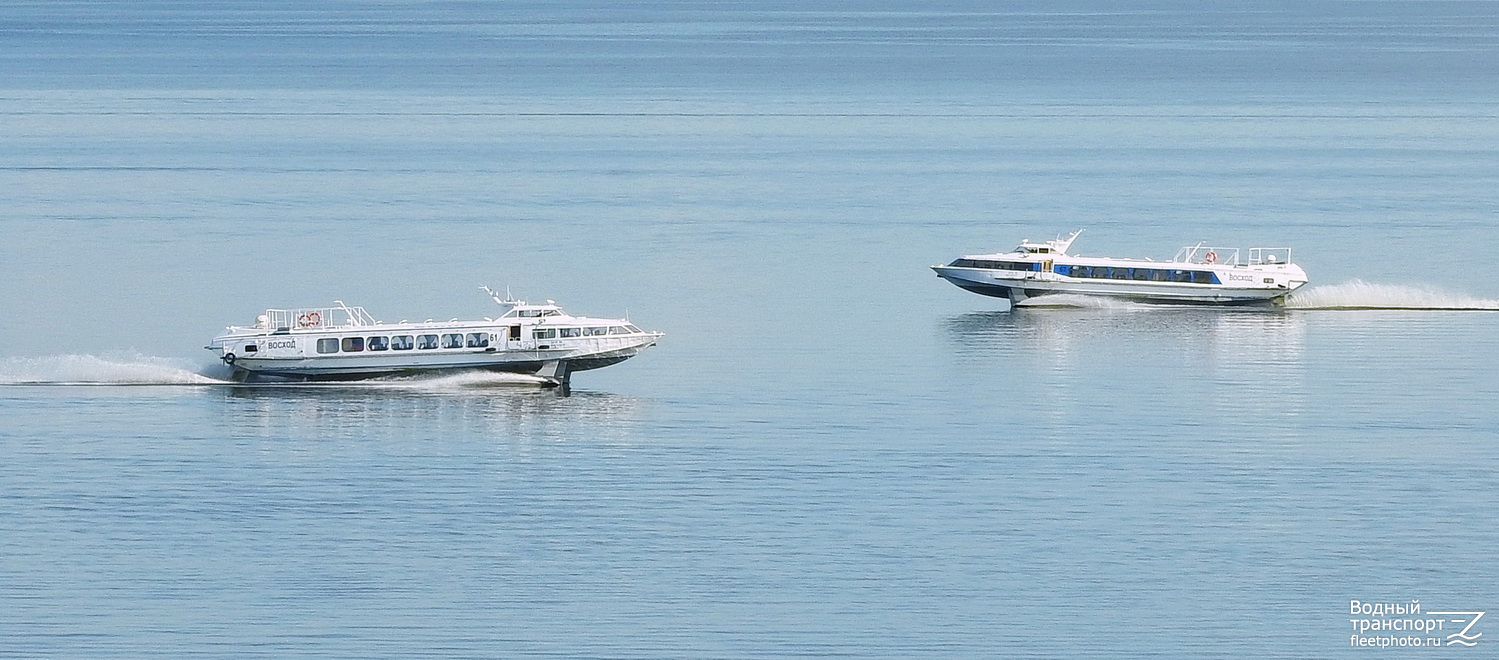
<point x="1211" y="256"/>
<point x="309" y="320"/>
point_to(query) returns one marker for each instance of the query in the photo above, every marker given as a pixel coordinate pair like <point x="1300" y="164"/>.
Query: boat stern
<point x="234" y="344"/>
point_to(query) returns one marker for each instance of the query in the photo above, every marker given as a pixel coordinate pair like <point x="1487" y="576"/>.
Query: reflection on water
<point x="1289" y="375"/>
<point x="1198" y="367"/>
<point x="383" y="413"/>
<point x="475" y="403"/>
<point x="1239" y="336"/>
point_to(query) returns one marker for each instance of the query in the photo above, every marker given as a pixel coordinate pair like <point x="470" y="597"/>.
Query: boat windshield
<point x="532" y="313"/>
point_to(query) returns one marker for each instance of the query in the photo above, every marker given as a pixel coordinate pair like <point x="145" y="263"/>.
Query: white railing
<point x="307" y="318"/>
<point x="1202" y="254"/>
<point x="1258" y="256"/>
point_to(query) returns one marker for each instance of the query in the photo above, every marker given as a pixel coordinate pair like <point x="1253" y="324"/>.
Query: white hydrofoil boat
<point x="345" y="343"/>
<point x="1198" y="275"/>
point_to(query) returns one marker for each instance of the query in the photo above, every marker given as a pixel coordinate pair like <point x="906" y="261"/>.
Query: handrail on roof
<point x="1204" y="254"/>
<point x="1258" y="256"/>
<point x="1229" y="256"/>
<point x="507" y="301"/>
<point x="307" y="318"/>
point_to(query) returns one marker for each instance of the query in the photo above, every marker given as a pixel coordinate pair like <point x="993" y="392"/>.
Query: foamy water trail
<point x="1358" y="294"/>
<point x="147" y="370"/>
<point x="1078" y="301"/>
<point x="97" y="370"/>
<point x="460" y="380"/>
<point x="1354" y="294"/>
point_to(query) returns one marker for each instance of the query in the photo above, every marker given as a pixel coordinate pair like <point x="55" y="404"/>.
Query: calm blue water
<point x="832" y="452"/>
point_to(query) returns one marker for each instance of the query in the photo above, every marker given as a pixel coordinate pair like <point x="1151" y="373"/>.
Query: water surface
<point x="832" y="452"/>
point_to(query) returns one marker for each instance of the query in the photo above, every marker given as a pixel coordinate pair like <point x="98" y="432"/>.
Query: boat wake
<point x="1358" y="294"/>
<point x="1354" y="294"/>
<point x="101" y="370"/>
<point x="456" y="381"/>
<point x="1080" y="301"/>
<point x="141" y="370"/>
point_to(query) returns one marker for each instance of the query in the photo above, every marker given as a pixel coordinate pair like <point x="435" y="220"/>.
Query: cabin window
<point x="1159" y="275"/>
<point x="995" y="265"/>
<point x="378" y="343"/>
<point x="632" y="328"/>
<point x="547" y="333"/>
<point x="329" y="345"/>
<point x="353" y="344"/>
<point x="426" y="342"/>
<point x="452" y="341"/>
<point x="1142" y="273"/>
<point x="1203" y="277"/>
<point x="618" y="330"/>
<point x="514" y="333"/>
<point x="1118" y="273"/>
<point x="570" y="332"/>
<point x="251" y="348"/>
<point x="400" y="343"/>
<point x="478" y="339"/>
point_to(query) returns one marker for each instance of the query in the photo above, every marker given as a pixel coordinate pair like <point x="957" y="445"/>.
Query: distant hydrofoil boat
<point x="1197" y="275"/>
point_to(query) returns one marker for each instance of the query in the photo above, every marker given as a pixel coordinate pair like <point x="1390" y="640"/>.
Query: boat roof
<point x="341" y="316"/>
<point x="1201" y="253"/>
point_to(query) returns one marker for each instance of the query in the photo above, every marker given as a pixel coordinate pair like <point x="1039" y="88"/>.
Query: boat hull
<point x="353" y="368"/>
<point x="1005" y="285"/>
